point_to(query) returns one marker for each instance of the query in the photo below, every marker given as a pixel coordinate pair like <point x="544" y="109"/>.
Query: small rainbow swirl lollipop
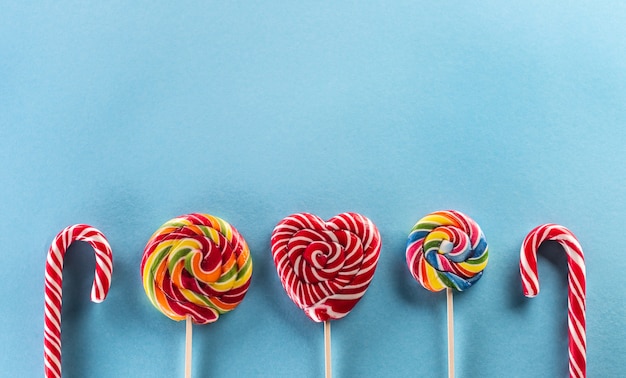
<point x="447" y="250"/>
<point x="196" y="267"/>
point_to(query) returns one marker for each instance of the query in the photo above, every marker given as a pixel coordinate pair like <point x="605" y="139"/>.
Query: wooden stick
<point x="450" y="333"/>
<point x="188" y="347"/>
<point x="329" y="372"/>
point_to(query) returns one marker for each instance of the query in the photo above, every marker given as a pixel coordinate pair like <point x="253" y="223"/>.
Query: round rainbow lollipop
<point x="196" y="267"/>
<point x="447" y="250"/>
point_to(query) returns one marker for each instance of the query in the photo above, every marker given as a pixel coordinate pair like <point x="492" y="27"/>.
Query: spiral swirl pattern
<point x="446" y="249"/>
<point x="196" y="265"/>
<point x="325" y="267"/>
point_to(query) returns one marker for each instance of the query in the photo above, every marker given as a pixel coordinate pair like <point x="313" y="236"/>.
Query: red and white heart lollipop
<point x="325" y="267"/>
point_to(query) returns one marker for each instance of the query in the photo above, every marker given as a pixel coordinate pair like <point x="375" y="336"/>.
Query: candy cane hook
<point x="53" y="286"/>
<point x="576" y="286"/>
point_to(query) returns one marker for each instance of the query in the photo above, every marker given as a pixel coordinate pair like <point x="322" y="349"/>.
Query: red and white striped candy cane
<point x="54" y="279"/>
<point x="576" y="286"/>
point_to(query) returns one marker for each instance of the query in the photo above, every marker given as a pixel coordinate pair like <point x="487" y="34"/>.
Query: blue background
<point x="124" y="116"/>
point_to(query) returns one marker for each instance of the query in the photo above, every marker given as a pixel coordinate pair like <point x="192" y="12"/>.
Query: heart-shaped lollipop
<point x="325" y="267"/>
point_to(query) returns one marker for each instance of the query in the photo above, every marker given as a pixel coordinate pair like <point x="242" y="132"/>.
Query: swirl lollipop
<point x="196" y="267"/>
<point x="447" y="250"/>
<point x="326" y="267"/>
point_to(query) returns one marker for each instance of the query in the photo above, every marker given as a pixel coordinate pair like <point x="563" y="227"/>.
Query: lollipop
<point x="54" y="284"/>
<point x="576" y="286"/>
<point x="196" y="267"/>
<point x="325" y="267"/>
<point x="447" y="250"/>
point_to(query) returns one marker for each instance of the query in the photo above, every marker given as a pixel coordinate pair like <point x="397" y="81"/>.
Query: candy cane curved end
<point x="54" y="284"/>
<point x="530" y="246"/>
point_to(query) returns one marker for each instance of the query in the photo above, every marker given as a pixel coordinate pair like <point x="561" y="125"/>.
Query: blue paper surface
<point x="123" y="116"/>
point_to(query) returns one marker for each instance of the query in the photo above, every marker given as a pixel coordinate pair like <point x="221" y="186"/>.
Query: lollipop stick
<point x="329" y="373"/>
<point x="188" y="348"/>
<point x="450" y="334"/>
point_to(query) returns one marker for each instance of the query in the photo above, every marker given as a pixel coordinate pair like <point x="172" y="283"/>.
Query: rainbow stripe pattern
<point x="196" y="265"/>
<point x="446" y="249"/>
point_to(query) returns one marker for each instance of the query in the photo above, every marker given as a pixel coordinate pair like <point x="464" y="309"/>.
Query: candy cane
<point x="576" y="286"/>
<point x="53" y="286"/>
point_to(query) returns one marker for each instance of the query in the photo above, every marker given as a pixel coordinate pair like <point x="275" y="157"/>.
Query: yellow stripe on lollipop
<point x="440" y="219"/>
<point x="246" y="273"/>
<point x="224" y="227"/>
<point x="176" y="273"/>
<point x="193" y="297"/>
<point x="212" y="233"/>
<point x="433" y="279"/>
<point x="168" y="228"/>
<point x="437" y="235"/>
<point x="473" y="268"/>
<point x="225" y="285"/>
<point x="176" y="244"/>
